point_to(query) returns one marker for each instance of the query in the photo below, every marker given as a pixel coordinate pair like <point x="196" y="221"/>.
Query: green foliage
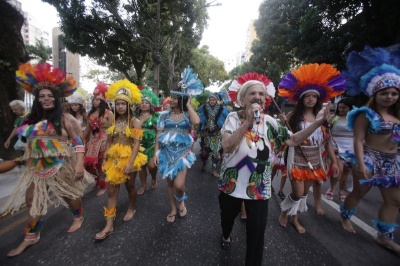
<point x="39" y="51"/>
<point x="294" y="32"/>
<point x="209" y="68"/>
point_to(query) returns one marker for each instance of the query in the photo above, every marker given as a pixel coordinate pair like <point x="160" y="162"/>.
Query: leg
<point x="204" y="157"/>
<point x="153" y="172"/>
<point x="302" y="208"/>
<point x="243" y="211"/>
<point x="282" y="184"/>
<point x="33" y="228"/>
<point x="143" y="181"/>
<point x="317" y="192"/>
<point x="180" y="195"/>
<point x="75" y="206"/>
<point x="230" y="207"/>
<point x="257" y="211"/>
<point x="109" y="212"/>
<point x="101" y="183"/>
<point x="292" y="201"/>
<point x="387" y="218"/>
<point x="130" y="187"/>
<point x="214" y="166"/>
<point x="172" y="202"/>
<point x="342" y="183"/>
<point x="349" y="207"/>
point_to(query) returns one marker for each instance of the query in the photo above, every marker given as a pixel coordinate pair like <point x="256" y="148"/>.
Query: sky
<point x="225" y="35"/>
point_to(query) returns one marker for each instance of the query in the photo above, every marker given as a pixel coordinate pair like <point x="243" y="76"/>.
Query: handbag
<point x="19" y="145"/>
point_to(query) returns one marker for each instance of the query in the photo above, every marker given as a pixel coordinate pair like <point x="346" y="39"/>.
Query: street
<point x="148" y="239"/>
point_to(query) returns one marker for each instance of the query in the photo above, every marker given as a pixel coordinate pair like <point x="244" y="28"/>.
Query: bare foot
<point x="154" y="184"/>
<point x="141" y="190"/>
<point x="297" y="225"/>
<point x="346" y="224"/>
<point x="24" y="244"/>
<point x="388" y="243"/>
<point x="101" y="192"/>
<point x="76" y="224"/>
<point x="215" y="173"/>
<point x="283" y="219"/>
<point x="129" y="215"/>
<point x="319" y="210"/>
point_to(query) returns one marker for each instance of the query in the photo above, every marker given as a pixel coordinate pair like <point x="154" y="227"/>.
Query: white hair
<point x="243" y="89"/>
<point x="17" y="103"/>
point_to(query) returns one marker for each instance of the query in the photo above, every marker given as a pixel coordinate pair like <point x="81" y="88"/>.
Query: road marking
<point x="23" y="219"/>
<point x="368" y="229"/>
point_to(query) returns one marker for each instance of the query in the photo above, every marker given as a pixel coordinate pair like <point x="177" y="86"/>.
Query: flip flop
<point x="182" y="213"/>
<point x="107" y="234"/>
<point x="171" y="218"/>
<point x="329" y="194"/>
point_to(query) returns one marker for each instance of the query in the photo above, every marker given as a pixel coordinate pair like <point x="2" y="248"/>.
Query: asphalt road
<point x="149" y="239"/>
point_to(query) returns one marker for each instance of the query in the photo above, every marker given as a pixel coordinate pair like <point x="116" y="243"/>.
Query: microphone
<point x="257" y="116"/>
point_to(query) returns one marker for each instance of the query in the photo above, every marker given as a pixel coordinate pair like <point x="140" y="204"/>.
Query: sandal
<point x="141" y="191"/>
<point x="281" y="195"/>
<point x="342" y="197"/>
<point x="226" y="244"/>
<point x="106" y="234"/>
<point x="171" y="218"/>
<point x="329" y="194"/>
<point x="182" y="213"/>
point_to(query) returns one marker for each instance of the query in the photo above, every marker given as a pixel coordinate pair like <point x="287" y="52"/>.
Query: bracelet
<point x="79" y="148"/>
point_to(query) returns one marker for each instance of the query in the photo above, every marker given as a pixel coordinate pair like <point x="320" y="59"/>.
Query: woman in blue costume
<point x="376" y="73"/>
<point x="148" y="118"/>
<point x="173" y="149"/>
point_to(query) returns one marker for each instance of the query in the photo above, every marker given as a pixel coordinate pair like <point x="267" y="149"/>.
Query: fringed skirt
<point x="117" y="157"/>
<point x="175" y="154"/>
<point x="384" y="168"/>
<point x="51" y="184"/>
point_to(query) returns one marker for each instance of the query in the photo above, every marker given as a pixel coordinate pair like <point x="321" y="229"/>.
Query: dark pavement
<point x="149" y="239"/>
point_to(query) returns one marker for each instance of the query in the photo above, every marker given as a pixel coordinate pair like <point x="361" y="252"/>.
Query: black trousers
<point x="257" y="214"/>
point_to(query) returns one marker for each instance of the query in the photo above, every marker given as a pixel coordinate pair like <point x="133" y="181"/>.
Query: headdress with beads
<point x="236" y="90"/>
<point x="44" y="76"/>
<point x="150" y="97"/>
<point x="189" y="85"/>
<point x="372" y="70"/>
<point x="100" y="90"/>
<point x="323" y="79"/>
<point x="124" y="90"/>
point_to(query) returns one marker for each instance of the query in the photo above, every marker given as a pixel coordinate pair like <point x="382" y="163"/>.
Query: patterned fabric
<point x="246" y="172"/>
<point x="175" y="144"/>
<point x="149" y="136"/>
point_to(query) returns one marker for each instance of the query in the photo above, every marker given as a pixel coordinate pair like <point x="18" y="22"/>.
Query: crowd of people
<point x="67" y="150"/>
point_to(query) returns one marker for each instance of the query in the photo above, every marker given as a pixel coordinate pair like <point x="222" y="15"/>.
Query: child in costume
<point x="123" y="158"/>
<point x="100" y="118"/>
<point x="54" y="152"/>
<point x="308" y="86"/>
<point x="148" y="118"/>
<point x="376" y="73"/>
<point x="173" y="152"/>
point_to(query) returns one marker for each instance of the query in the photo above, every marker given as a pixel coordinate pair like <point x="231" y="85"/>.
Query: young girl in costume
<point x="148" y="119"/>
<point x="54" y="153"/>
<point x="173" y="152"/>
<point x="376" y="73"/>
<point x="308" y="86"/>
<point x="123" y="158"/>
<point x="100" y="118"/>
<point x="342" y="140"/>
<point x="78" y="110"/>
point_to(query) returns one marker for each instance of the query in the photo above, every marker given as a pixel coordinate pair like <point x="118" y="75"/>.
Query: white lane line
<point x="368" y="229"/>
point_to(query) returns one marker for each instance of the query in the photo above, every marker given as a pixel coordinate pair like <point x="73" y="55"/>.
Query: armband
<point x="79" y="148"/>
<point x="76" y="141"/>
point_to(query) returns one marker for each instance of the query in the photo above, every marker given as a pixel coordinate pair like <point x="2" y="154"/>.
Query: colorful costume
<point x="211" y="121"/>
<point x="369" y="72"/>
<point x="77" y="98"/>
<point x="342" y="137"/>
<point x="96" y="145"/>
<point x="306" y="161"/>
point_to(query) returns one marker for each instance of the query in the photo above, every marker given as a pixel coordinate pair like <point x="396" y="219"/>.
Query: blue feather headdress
<point x="372" y="70"/>
<point x="189" y="85"/>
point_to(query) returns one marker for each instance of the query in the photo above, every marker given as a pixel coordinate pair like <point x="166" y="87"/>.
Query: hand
<point x="79" y="171"/>
<point x="251" y="110"/>
<point x="155" y="159"/>
<point x="362" y="172"/>
<point x="335" y="169"/>
<point x="324" y="113"/>
<point x="128" y="168"/>
<point x="7" y="143"/>
<point x="189" y="102"/>
<point x="282" y="117"/>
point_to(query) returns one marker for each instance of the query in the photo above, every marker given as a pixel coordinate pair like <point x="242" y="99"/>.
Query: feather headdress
<point x="236" y="92"/>
<point x="76" y="98"/>
<point x="124" y="90"/>
<point x="323" y="79"/>
<point x="372" y="70"/>
<point x="100" y="90"/>
<point x="189" y="85"/>
<point x="150" y="97"/>
<point x="34" y="78"/>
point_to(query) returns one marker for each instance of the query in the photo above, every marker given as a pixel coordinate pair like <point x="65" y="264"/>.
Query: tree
<point x="314" y="31"/>
<point x="39" y="51"/>
<point x="209" y="68"/>
<point x="12" y="54"/>
<point x="121" y="34"/>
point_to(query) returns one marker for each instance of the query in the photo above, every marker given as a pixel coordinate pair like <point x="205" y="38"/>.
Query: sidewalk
<point x="7" y="183"/>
